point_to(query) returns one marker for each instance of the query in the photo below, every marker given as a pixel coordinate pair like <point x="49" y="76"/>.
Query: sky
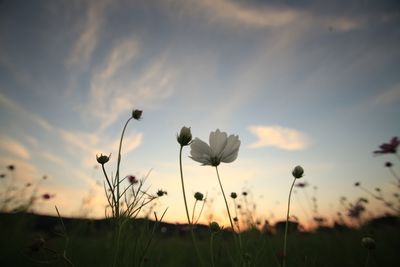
<point x="310" y="83"/>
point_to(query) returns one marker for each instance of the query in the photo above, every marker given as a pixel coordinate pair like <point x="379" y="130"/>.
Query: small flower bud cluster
<point x="198" y="196"/>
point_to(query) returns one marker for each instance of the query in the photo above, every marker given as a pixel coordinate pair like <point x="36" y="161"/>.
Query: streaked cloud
<point x="23" y="113"/>
<point x="388" y="97"/>
<point x="117" y="87"/>
<point x="53" y="158"/>
<point x="130" y="142"/>
<point x="279" y="137"/>
<point x="13" y="147"/>
<point x="89" y="35"/>
<point x="232" y="11"/>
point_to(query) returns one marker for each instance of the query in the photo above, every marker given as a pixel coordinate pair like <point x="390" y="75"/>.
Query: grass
<point x="90" y="244"/>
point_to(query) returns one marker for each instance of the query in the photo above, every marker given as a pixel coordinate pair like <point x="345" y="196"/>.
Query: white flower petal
<point x="200" y="151"/>
<point x="218" y="142"/>
<point x="231" y="150"/>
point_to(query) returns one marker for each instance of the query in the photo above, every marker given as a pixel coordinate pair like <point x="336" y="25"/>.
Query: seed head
<point x="233" y="195"/>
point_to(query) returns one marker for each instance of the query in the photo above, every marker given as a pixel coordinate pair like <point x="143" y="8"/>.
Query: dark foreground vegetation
<point x="36" y="240"/>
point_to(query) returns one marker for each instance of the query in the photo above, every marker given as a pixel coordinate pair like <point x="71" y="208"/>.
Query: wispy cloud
<point x="117" y="85"/>
<point x="13" y="147"/>
<point x="388" y="97"/>
<point x="23" y="113"/>
<point x="279" y="137"/>
<point x="130" y="142"/>
<point x="89" y="145"/>
<point x="89" y="35"/>
<point x="53" y="158"/>
<point x="235" y="13"/>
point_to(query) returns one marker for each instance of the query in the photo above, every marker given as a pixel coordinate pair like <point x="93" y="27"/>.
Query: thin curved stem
<point x="194" y="209"/>
<point x="226" y="202"/>
<point x="286" y="227"/>
<point x="212" y="249"/>
<point x="110" y="187"/>
<point x="367" y="259"/>
<point x="118" y="164"/>
<point x="229" y="215"/>
<point x="187" y="210"/>
<point x="183" y="186"/>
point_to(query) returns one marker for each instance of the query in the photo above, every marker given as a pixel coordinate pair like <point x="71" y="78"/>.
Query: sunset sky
<point x="305" y="83"/>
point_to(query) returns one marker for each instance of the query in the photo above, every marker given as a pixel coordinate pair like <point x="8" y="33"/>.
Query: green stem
<point x="118" y="163"/>
<point x="286" y="227"/>
<point x="110" y="187"/>
<point x="183" y="185"/>
<point x="194" y="209"/>
<point x="187" y="210"/>
<point x="212" y="250"/>
<point x="229" y="215"/>
<point x="367" y="259"/>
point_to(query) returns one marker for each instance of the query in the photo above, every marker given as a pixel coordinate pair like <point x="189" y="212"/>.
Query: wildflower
<point x="388" y="164"/>
<point x="160" y="193"/>
<point x="368" y="243"/>
<point x="137" y="114"/>
<point x="244" y="193"/>
<point x="46" y="196"/>
<point x="103" y="159"/>
<point x="214" y="227"/>
<point x="239" y="206"/>
<point x="356" y="210"/>
<point x="235" y="219"/>
<point x="388" y="148"/>
<point x="3" y="175"/>
<point x="221" y="149"/>
<point x="357" y="184"/>
<point x="302" y="185"/>
<point x="11" y="167"/>
<point x="298" y="172"/>
<point x="233" y="195"/>
<point x="132" y="179"/>
<point x="198" y="196"/>
<point x="185" y="136"/>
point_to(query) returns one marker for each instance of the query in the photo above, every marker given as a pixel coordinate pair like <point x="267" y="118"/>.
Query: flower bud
<point x="160" y="193"/>
<point x="298" y="172"/>
<point x="136" y="114"/>
<point x="233" y="195"/>
<point x="214" y="227"/>
<point x="198" y="196"/>
<point x="103" y="159"/>
<point x="368" y="243"/>
<point x="185" y="136"/>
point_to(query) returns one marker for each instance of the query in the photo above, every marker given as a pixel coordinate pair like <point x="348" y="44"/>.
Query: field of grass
<point x="32" y="240"/>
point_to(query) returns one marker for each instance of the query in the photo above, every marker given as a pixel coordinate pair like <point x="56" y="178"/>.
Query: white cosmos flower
<point x="221" y="149"/>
